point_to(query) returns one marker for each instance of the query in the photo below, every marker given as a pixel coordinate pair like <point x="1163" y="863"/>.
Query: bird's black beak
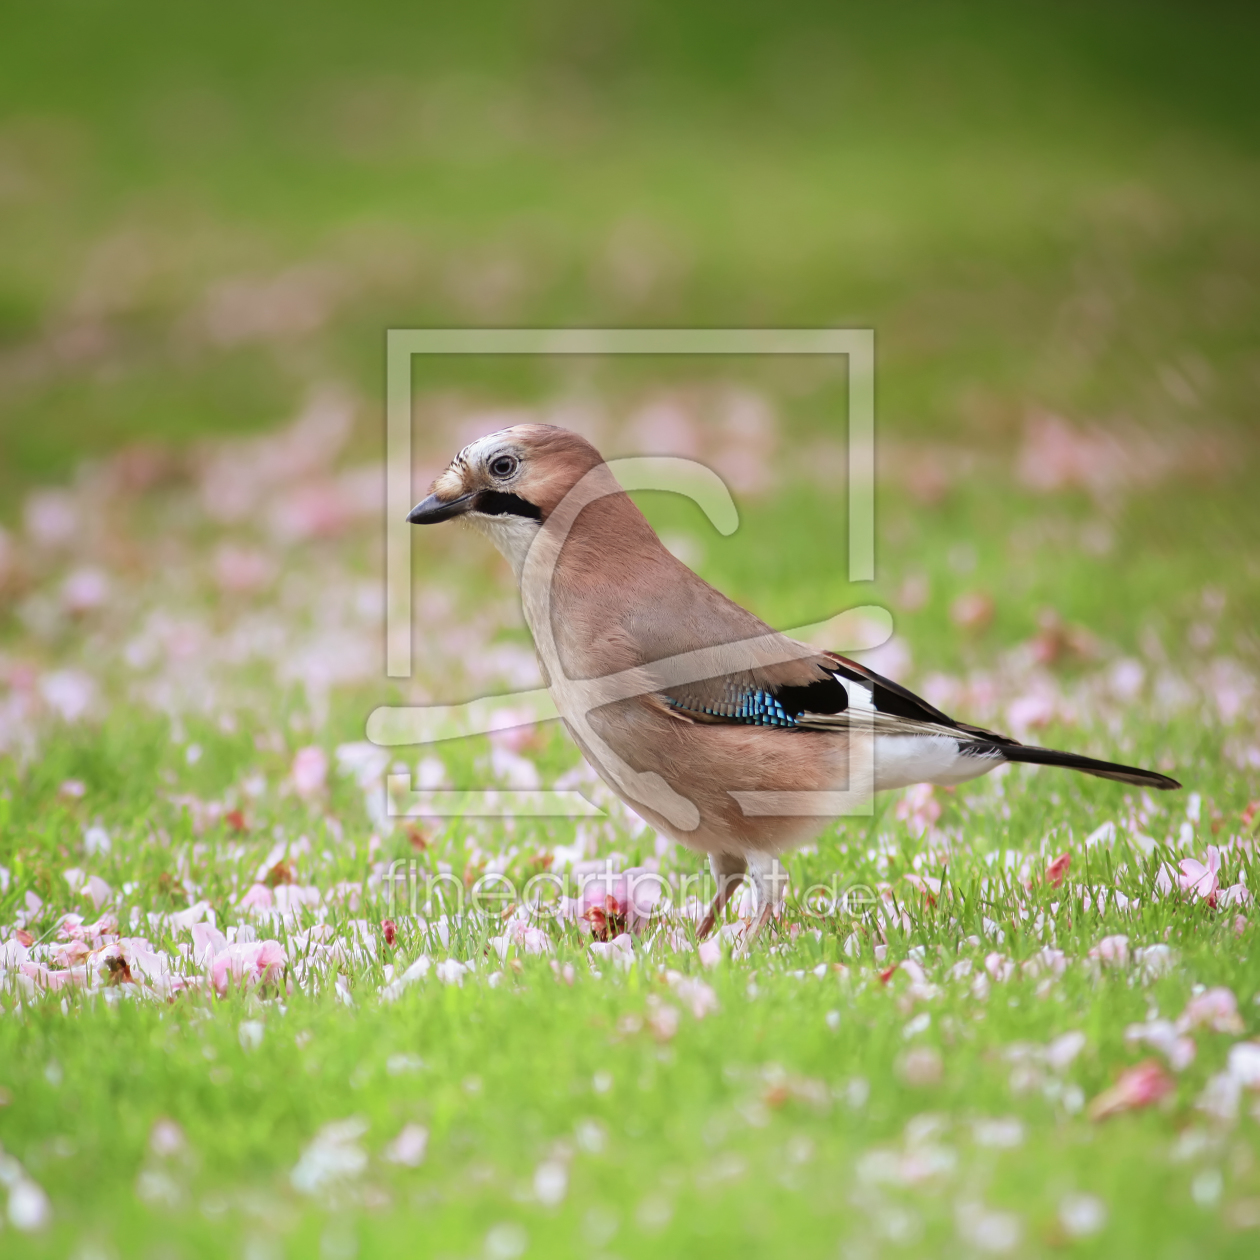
<point x="432" y="510"/>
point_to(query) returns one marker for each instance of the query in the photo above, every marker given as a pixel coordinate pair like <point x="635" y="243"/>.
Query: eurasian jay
<point x="725" y="735"/>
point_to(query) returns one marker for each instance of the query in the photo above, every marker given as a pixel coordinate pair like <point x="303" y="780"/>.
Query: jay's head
<point x="507" y="483"/>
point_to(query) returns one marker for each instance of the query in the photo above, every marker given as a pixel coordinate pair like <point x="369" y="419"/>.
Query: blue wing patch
<point x="748" y="708"/>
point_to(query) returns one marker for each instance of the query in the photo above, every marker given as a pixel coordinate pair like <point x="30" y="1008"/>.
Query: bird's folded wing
<point x="831" y="692"/>
<point x="822" y="692"/>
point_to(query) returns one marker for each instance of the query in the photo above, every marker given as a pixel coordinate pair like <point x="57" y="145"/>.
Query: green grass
<point x="1041" y="208"/>
<point x="756" y="1127"/>
<point x="747" y="1124"/>
<point x="1037" y="209"/>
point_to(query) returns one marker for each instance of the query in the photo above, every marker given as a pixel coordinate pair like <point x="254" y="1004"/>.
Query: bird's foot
<point x="752" y="929"/>
<point x="756" y="927"/>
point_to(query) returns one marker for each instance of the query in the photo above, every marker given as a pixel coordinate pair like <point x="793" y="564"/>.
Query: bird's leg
<point x="727" y="872"/>
<point x="769" y="881"/>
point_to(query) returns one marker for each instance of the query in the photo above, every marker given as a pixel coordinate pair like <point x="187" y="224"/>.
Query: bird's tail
<point x="1087" y="765"/>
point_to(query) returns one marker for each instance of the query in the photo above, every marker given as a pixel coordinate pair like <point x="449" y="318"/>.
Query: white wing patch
<point x="860" y="697"/>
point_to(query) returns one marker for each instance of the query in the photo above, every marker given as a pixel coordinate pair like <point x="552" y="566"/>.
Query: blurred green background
<point x="1042" y="210"/>
<point x="1034" y="205"/>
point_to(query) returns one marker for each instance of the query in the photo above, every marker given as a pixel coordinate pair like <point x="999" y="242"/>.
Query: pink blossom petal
<point x="29" y="1208"/>
<point x="240" y="570"/>
<point x="84" y="590"/>
<point x="1056" y="871"/>
<point x="208" y="942"/>
<point x="611" y="902"/>
<point x="1113" y="950"/>
<point x="999" y="967"/>
<point x="257" y="897"/>
<point x="919" y="808"/>
<point x="1138" y="1086"/>
<point x="310" y="771"/>
<point x="247" y="963"/>
<point x="1216" y="1009"/>
<point x="513" y="729"/>
<point x="699" y="996"/>
<point x="662" y="1020"/>
<point x="97" y="891"/>
<point x="409" y="1147"/>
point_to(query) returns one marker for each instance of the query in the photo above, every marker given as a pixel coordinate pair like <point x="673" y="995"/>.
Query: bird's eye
<point x="504" y="466"/>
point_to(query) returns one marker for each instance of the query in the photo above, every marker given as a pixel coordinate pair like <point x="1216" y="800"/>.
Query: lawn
<point x="1019" y="1018"/>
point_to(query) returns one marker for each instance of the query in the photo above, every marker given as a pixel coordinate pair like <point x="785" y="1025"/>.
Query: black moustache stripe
<point x="500" y="503"/>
